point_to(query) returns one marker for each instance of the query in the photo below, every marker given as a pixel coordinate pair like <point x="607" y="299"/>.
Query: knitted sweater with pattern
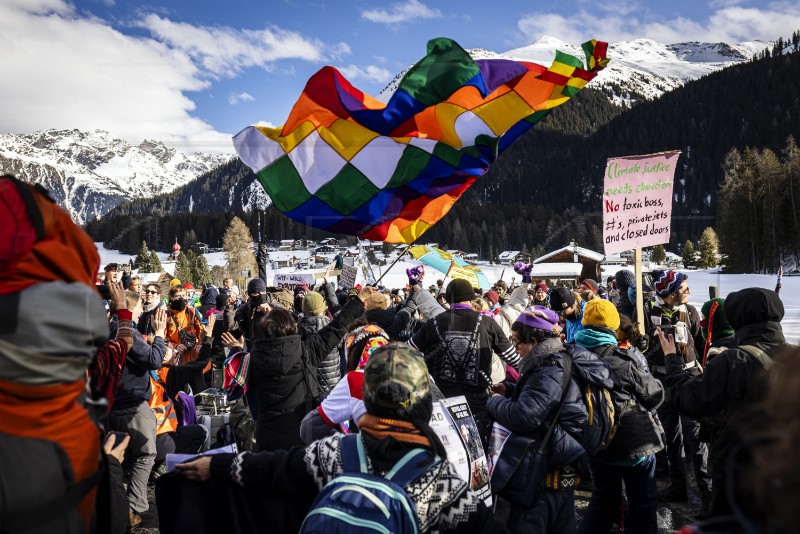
<point x="443" y="500"/>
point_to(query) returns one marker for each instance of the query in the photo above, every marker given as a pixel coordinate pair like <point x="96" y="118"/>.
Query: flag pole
<point x="393" y="264"/>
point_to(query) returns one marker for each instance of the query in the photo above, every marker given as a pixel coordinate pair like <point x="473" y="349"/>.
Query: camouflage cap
<point x="396" y="381"/>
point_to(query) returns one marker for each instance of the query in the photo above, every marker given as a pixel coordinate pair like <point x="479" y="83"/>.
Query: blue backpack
<point x="357" y="501"/>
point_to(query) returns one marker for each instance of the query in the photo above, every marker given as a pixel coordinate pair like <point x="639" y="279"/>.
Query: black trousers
<point x="683" y="435"/>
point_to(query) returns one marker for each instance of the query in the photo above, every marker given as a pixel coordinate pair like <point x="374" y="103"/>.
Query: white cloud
<point x="222" y="51"/>
<point x="63" y="69"/>
<point x="370" y="73"/>
<point x="234" y="99"/>
<point x="401" y="12"/>
<point x="730" y="24"/>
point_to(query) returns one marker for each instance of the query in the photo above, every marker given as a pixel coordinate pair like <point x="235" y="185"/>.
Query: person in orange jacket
<point x="183" y="327"/>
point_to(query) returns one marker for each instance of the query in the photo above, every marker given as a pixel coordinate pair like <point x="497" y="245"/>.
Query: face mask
<point x="261" y="299"/>
<point x="178" y="304"/>
<point x="632" y="294"/>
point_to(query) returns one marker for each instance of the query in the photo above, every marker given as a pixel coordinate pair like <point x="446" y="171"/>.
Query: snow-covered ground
<point x="699" y="281"/>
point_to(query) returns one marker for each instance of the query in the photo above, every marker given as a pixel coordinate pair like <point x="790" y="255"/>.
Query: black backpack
<point x="38" y="491"/>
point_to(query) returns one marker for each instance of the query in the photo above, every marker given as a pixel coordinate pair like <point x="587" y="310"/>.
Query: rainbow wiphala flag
<point x="347" y="163"/>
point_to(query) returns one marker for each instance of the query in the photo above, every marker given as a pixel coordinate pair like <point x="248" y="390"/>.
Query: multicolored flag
<point x="347" y="163"/>
<point x="452" y="266"/>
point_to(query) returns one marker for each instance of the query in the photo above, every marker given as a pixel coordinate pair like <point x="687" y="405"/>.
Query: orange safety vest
<point x="161" y="404"/>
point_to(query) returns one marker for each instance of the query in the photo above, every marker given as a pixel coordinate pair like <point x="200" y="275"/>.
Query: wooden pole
<point x="637" y="258"/>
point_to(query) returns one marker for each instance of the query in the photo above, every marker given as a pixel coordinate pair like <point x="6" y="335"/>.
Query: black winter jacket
<point x="145" y="323"/>
<point x="278" y="379"/>
<point x="636" y="395"/>
<point x="528" y="410"/>
<point x="329" y="368"/>
<point x="730" y="381"/>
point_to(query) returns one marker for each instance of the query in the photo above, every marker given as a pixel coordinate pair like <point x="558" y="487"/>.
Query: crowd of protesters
<point x="93" y="398"/>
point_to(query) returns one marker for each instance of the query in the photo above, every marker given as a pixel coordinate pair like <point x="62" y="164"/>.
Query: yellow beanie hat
<point x="600" y="312"/>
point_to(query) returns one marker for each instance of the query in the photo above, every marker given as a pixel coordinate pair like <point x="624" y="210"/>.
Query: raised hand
<point x="117" y="294"/>
<point x="525" y="270"/>
<point x="415" y="275"/>
<point x="160" y="322"/>
<point x="230" y="342"/>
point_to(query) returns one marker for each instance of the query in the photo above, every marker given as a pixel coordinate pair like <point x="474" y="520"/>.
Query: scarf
<point x="403" y="431"/>
<point x="461" y="306"/>
<point x="591" y="339"/>
<point x="152" y="306"/>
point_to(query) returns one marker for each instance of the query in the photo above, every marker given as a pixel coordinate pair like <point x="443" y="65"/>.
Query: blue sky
<point x="192" y="73"/>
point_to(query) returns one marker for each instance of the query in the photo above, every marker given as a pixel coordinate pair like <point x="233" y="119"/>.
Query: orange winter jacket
<point x="185" y="320"/>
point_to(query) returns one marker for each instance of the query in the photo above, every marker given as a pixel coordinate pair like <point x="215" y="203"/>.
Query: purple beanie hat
<point x="541" y="318"/>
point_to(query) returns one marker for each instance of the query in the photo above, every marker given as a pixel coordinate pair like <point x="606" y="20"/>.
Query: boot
<point x="674" y="492"/>
<point x="158" y="471"/>
<point x="134" y="520"/>
<point x="705" y="504"/>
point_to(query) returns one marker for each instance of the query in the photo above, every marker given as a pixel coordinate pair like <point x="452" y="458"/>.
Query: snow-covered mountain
<point x="89" y="173"/>
<point x="639" y="69"/>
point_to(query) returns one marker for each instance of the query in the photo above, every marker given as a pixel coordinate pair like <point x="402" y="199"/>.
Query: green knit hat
<point x="720" y="327"/>
<point x="313" y="304"/>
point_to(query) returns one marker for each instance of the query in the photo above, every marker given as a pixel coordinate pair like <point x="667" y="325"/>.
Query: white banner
<point x="295" y="279"/>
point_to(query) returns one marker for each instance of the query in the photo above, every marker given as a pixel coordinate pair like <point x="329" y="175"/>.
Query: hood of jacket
<point x="752" y="306"/>
<point x="311" y="324"/>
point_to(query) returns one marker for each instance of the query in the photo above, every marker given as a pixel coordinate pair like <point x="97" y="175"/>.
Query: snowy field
<point x="699" y="282"/>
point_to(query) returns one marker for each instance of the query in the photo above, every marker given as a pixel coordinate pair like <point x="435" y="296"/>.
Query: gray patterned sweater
<point x="444" y="502"/>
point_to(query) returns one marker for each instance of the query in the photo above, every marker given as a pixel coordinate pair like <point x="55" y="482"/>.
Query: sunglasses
<point x="149" y="292"/>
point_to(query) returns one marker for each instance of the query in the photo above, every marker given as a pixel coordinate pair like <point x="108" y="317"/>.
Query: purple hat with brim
<point x="541" y="318"/>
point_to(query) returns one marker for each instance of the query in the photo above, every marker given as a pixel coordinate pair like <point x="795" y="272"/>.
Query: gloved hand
<point x="415" y="275"/>
<point x="525" y="270"/>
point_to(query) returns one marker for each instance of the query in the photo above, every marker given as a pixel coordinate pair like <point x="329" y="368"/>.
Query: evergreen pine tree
<point x="200" y="273"/>
<point x="143" y="260"/>
<point x="707" y="249"/>
<point x="155" y="263"/>
<point x="183" y="271"/>
<point x="688" y="254"/>
<point x="658" y="255"/>
<point x="236" y="243"/>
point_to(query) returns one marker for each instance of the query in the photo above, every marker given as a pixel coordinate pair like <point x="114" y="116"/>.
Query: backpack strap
<point x="408" y="469"/>
<point x="354" y="456"/>
<point x="757" y="354"/>
<point x="566" y="376"/>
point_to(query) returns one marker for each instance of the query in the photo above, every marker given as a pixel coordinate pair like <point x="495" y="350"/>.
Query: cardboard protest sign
<point x="453" y="422"/>
<point x="347" y="279"/>
<point x="637" y="201"/>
